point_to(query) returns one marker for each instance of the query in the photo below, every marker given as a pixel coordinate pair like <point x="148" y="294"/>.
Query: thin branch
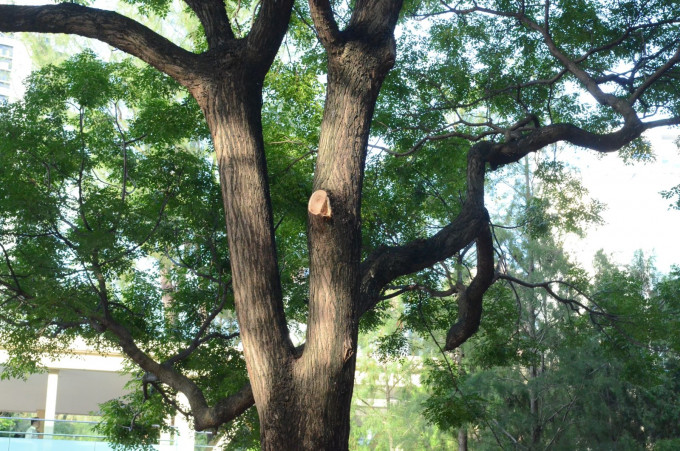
<point x="419" y="287"/>
<point x="393" y="294"/>
<point x="507" y="434"/>
<point x="619" y="105"/>
<point x="440" y="137"/>
<point x="449" y="368"/>
<point x="17" y="288"/>
<point x="571" y="303"/>
<point x="198" y="339"/>
<point x="148" y="236"/>
<point x="169" y="399"/>
<point x="182" y="264"/>
<point x="81" y="209"/>
<point x="124" y="146"/>
<point x="295" y="161"/>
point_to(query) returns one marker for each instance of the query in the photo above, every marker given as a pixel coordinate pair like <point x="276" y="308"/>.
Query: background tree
<point x="586" y="395"/>
<point x="563" y="381"/>
<point x="389" y="392"/>
<point x="493" y="80"/>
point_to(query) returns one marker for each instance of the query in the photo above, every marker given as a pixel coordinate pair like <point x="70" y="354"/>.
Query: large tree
<point x="494" y="79"/>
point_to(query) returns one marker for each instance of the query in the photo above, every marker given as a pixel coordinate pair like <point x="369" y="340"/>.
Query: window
<point x="4" y="75"/>
<point x="6" y="50"/>
<point x="3" y="99"/>
<point x="5" y="63"/>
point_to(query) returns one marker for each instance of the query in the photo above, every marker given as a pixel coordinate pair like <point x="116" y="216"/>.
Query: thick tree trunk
<point x="325" y="372"/>
<point x="303" y="398"/>
<point x="303" y="402"/>
<point x="462" y="439"/>
<point x="335" y="250"/>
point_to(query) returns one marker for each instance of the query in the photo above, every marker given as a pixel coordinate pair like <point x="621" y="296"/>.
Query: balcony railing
<point x="71" y="435"/>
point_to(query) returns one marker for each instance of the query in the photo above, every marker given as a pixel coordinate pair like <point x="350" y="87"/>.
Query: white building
<point x="72" y="385"/>
<point x="15" y="66"/>
<point x="75" y="384"/>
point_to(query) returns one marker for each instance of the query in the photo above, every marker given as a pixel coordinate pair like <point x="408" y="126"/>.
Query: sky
<point x="637" y="217"/>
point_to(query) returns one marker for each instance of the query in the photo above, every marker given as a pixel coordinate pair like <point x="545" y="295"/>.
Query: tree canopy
<point x="112" y="223"/>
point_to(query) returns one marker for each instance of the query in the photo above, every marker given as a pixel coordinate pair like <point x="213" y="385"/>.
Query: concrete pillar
<point x="51" y="402"/>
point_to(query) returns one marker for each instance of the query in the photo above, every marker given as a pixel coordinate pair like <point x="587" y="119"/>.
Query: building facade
<point x="15" y="66"/>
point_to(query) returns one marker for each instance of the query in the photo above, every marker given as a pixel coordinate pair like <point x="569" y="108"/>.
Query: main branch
<point x="107" y="26"/>
<point x="268" y="29"/>
<point x="213" y="17"/>
<point x="204" y="416"/>
<point x="472" y="224"/>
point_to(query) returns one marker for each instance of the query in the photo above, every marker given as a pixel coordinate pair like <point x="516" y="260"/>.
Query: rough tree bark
<point x="303" y="395"/>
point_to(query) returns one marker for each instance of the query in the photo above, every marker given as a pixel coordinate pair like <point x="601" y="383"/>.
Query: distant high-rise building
<point x="6" y="53"/>
<point x="15" y="65"/>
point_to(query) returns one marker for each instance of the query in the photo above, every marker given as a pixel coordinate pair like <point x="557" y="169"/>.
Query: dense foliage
<point x="567" y="378"/>
<point x="390" y="391"/>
